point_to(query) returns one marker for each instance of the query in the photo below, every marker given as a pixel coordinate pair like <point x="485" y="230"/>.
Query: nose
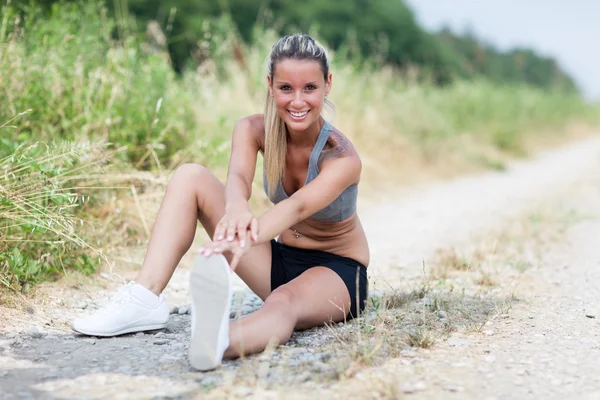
<point x="298" y="100"/>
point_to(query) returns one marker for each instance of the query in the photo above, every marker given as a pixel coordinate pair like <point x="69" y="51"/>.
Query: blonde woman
<point x="313" y="273"/>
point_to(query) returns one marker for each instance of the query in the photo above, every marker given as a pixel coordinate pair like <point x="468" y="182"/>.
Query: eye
<point x="285" y="88"/>
<point x="311" y="87"/>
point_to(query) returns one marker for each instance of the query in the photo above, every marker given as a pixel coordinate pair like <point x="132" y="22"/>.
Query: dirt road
<point x="511" y="266"/>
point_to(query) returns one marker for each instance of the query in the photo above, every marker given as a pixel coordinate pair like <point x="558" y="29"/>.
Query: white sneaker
<point x="210" y="288"/>
<point x="132" y="309"/>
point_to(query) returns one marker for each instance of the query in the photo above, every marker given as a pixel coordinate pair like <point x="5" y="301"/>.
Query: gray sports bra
<point x="344" y="206"/>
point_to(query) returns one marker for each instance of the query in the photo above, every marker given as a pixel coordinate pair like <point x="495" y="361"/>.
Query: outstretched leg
<point x="314" y="298"/>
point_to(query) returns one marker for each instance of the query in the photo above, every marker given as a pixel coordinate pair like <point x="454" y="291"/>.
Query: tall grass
<point x="83" y="84"/>
<point x="77" y="77"/>
<point x="41" y="189"/>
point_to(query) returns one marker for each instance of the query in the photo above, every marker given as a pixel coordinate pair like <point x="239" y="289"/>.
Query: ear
<point x="270" y="85"/>
<point x="328" y="84"/>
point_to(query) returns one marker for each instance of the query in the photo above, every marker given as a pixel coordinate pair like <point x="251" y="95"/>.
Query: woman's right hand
<point x="237" y="223"/>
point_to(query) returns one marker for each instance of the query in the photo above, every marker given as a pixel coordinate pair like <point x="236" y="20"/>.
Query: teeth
<point x="300" y="114"/>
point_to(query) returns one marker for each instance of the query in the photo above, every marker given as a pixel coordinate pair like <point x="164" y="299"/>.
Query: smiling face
<point x="299" y="88"/>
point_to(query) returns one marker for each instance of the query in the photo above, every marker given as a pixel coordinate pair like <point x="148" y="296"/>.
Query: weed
<point x="420" y="337"/>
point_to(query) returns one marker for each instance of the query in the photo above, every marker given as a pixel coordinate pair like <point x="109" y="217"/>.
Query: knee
<point x="189" y="175"/>
<point x="282" y="299"/>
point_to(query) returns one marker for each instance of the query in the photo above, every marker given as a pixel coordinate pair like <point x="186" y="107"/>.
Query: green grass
<point x="77" y="88"/>
<point x="42" y="208"/>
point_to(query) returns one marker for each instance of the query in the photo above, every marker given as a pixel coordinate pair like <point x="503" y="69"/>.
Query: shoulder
<point x="252" y="124"/>
<point x="251" y="127"/>
<point x="339" y="147"/>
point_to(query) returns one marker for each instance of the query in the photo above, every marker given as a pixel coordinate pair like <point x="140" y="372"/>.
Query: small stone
<point x="160" y="342"/>
<point x="247" y="310"/>
<point x="490" y="358"/>
<point x="34" y="333"/>
<point x="504" y="316"/>
<point x="413" y="387"/>
<point x="83" y="305"/>
<point x="174" y="310"/>
<point x="590" y="314"/>
<point x="90" y="341"/>
<point x="160" y="335"/>
<point x="183" y="310"/>
<point x="139" y="334"/>
<point x="442" y="314"/>
<point x="105" y="275"/>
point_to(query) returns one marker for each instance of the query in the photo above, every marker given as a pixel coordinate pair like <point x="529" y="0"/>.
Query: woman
<point x="316" y="270"/>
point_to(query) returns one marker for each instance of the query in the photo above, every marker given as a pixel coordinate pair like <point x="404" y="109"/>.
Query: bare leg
<point x="192" y="194"/>
<point x="317" y="296"/>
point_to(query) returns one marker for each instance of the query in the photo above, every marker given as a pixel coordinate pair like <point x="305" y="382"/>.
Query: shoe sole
<point x="132" y="329"/>
<point x="211" y="296"/>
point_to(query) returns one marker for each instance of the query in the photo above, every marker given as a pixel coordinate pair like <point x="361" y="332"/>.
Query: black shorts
<point x="289" y="262"/>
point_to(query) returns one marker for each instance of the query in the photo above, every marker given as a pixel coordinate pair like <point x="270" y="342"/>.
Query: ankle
<point x="150" y="285"/>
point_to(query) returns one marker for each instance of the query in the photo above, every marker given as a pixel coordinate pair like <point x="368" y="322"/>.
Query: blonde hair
<point x="294" y="47"/>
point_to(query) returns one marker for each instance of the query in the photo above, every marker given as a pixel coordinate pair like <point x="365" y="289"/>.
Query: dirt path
<point x="506" y="303"/>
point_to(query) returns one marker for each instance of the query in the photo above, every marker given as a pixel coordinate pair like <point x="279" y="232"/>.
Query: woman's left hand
<point x="222" y="246"/>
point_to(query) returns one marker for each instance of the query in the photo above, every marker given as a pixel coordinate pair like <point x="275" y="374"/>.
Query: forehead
<point x="297" y="71"/>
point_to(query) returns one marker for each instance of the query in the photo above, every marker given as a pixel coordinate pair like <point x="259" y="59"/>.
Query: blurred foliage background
<point x="99" y="102"/>
<point x="380" y="31"/>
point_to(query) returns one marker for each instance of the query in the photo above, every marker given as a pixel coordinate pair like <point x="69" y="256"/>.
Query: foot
<point x="132" y="309"/>
<point x="210" y="288"/>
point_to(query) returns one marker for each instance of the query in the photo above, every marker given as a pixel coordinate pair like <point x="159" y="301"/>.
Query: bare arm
<point x="242" y="165"/>
<point x="238" y="188"/>
<point x="335" y="176"/>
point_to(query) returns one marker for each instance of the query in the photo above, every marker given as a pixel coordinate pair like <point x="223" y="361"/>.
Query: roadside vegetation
<point x="94" y="117"/>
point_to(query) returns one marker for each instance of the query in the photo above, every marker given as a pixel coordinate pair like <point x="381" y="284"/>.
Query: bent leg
<point x="193" y="194"/>
<point x="314" y="298"/>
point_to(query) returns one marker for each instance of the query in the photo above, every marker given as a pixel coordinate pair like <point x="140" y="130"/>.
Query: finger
<point x="236" y="259"/>
<point x="219" y="247"/>
<point x="248" y="236"/>
<point x="220" y="230"/>
<point x="241" y="229"/>
<point x="231" y="229"/>
<point x="254" y="229"/>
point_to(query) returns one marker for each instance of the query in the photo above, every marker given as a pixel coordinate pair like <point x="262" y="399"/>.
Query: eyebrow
<point x="287" y="83"/>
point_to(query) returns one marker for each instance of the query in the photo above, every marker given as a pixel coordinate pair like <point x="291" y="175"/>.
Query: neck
<point x="306" y="137"/>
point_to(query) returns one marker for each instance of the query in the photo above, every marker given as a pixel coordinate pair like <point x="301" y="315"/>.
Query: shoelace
<point x="123" y="296"/>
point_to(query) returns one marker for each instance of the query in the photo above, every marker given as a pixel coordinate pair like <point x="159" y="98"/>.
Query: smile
<point x="298" y="115"/>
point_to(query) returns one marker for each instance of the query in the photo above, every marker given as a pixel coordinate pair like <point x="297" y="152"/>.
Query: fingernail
<point x="220" y="237"/>
<point x="242" y="243"/>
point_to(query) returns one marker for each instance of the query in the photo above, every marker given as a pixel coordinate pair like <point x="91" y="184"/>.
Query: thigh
<point x="318" y="296"/>
<point x="255" y="267"/>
